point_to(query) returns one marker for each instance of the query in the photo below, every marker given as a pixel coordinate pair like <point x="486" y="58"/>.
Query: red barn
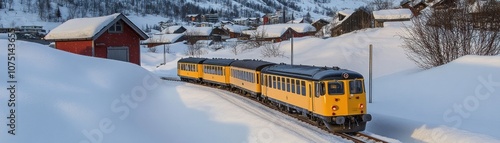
<point x="112" y="37"/>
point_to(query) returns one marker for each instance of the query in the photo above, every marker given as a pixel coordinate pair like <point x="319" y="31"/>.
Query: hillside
<point x="62" y="10"/>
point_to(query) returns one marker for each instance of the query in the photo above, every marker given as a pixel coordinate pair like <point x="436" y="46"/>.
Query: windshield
<point x="336" y="88"/>
<point x="356" y="86"/>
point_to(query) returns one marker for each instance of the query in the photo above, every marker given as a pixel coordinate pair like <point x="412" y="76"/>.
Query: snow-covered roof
<point x="236" y="28"/>
<point x="276" y="30"/>
<point x="198" y="31"/>
<point x="170" y="29"/>
<point x="204" y="42"/>
<point x="89" y="28"/>
<point x="392" y="14"/>
<point x="240" y="19"/>
<point x="298" y="20"/>
<point x="163" y="38"/>
<point x="346" y="12"/>
<point x="192" y="15"/>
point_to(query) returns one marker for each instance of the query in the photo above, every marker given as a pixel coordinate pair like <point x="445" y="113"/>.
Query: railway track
<point x="356" y="137"/>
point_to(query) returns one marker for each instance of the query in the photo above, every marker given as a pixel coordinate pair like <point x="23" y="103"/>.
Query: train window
<point x="297" y="84"/>
<point x="283" y="83"/>
<point x="288" y="85"/>
<point x="274" y="82"/>
<point x="293" y="85"/>
<point x="303" y="87"/>
<point x="269" y="81"/>
<point x="279" y="83"/>
<point x="257" y="78"/>
<point x="356" y="86"/>
<point x="336" y="88"/>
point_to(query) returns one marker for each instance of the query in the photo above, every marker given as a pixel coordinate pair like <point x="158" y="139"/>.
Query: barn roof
<point x="89" y="28"/>
<point x="251" y="64"/>
<point x="392" y="14"/>
<point x="310" y="72"/>
<point x="171" y="29"/>
<point x="192" y="60"/>
<point x="219" y="62"/>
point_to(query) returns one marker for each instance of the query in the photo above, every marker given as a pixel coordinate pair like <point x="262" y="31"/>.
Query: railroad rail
<point x="356" y="137"/>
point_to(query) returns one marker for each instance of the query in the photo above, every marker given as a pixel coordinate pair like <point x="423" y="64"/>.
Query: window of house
<point x="116" y="28"/>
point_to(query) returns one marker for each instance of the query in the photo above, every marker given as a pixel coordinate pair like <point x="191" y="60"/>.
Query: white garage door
<point x="118" y="53"/>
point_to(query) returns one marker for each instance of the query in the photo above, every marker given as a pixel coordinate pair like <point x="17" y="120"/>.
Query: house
<point x="235" y="31"/>
<point x="219" y="34"/>
<point x="211" y="18"/>
<point x="319" y="24"/>
<point x="280" y="32"/>
<point x="33" y="29"/>
<point x="194" y="34"/>
<point x="173" y="30"/>
<point x="280" y="16"/>
<point x="161" y="39"/>
<point x="350" y="20"/>
<point x="113" y="37"/>
<point x="387" y="15"/>
<point x="193" y="18"/>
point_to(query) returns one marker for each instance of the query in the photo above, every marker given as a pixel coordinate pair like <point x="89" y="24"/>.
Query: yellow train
<point x="329" y="96"/>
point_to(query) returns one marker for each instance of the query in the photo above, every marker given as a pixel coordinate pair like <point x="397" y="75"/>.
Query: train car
<point x="190" y="69"/>
<point x="217" y="71"/>
<point x="245" y="76"/>
<point x="328" y="95"/>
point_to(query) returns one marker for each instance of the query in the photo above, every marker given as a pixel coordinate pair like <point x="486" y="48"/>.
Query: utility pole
<point x="370" y="68"/>
<point x="291" y="46"/>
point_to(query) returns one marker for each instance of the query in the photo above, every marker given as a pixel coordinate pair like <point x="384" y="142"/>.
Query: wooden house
<point x="194" y="34"/>
<point x="350" y="20"/>
<point x="281" y="32"/>
<point x="388" y="15"/>
<point x="113" y="37"/>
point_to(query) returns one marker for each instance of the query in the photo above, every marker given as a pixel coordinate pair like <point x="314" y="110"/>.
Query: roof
<point x="198" y="31"/>
<point x="192" y="15"/>
<point x="163" y="38"/>
<point x="310" y="72"/>
<point x="276" y="30"/>
<point x="392" y="14"/>
<point x="89" y="28"/>
<point x="219" y="62"/>
<point x="251" y="64"/>
<point x="236" y="28"/>
<point x="192" y="60"/>
<point x="346" y="12"/>
<point x="171" y="29"/>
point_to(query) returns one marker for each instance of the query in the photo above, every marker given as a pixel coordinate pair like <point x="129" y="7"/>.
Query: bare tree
<point x="443" y="35"/>
<point x="195" y="50"/>
<point x="270" y="49"/>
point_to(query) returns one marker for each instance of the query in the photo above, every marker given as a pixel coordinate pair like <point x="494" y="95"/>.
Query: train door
<point x="310" y="95"/>
<point x="317" y="98"/>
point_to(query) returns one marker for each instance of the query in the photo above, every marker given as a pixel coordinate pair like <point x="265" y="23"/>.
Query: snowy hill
<point x="50" y="12"/>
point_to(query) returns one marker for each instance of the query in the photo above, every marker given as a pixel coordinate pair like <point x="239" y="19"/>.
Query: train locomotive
<point x="331" y="97"/>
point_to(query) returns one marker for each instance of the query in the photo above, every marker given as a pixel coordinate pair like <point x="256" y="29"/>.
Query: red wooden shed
<point x="112" y="37"/>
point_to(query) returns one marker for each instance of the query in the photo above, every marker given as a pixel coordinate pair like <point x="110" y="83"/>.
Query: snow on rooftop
<point x="163" y="38"/>
<point x="198" y="31"/>
<point x="236" y="28"/>
<point x="393" y="14"/>
<point x="80" y="28"/>
<point x="346" y="12"/>
<point x="276" y="30"/>
<point x="170" y="29"/>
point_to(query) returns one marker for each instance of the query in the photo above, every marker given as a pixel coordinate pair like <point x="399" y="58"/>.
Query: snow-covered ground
<point x="450" y="103"/>
<point x="64" y="97"/>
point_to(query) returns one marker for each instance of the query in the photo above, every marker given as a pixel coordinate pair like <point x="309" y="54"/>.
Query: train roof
<point x="311" y="72"/>
<point x="219" y="62"/>
<point x="251" y="64"/>
<point x="192" y="60"/>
